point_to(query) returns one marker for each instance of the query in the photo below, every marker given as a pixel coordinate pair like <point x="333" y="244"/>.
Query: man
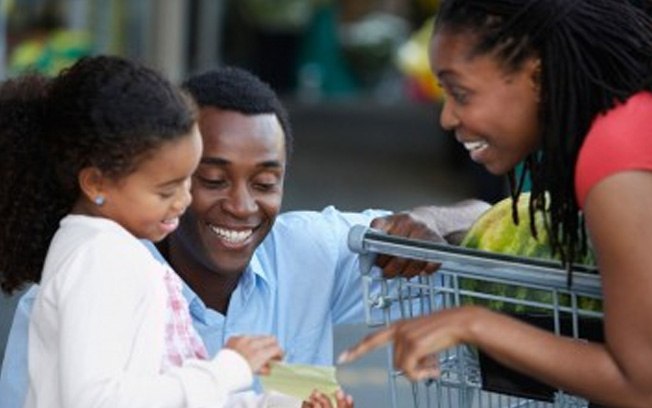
<point x="248" y="269"/>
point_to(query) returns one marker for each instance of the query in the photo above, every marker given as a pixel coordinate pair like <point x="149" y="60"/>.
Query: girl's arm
<point x="111" y="317"/>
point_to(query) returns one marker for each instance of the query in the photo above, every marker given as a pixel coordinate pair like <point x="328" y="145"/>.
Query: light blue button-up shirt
<point x="302" y="280"/>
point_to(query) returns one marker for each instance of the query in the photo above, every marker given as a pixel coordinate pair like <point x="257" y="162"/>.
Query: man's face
<point x="237" y="189"/>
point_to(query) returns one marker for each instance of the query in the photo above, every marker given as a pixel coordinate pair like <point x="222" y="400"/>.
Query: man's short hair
<point x="236" y="89"/>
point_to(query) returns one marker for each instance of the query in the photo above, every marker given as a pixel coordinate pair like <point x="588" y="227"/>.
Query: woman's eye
<point x="460" y="96"/>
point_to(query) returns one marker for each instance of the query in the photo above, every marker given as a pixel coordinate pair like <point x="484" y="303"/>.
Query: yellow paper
<point x="301" y="380"/>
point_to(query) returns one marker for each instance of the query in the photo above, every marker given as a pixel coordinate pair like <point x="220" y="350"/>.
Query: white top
<point x="96" y="333"/>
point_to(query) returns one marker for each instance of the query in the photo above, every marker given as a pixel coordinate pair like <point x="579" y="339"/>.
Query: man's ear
<point x="91" y="183"/>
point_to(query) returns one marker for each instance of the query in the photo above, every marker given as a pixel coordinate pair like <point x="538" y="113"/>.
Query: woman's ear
<point x="535" y="76"/>
<point x="91" y="183"/>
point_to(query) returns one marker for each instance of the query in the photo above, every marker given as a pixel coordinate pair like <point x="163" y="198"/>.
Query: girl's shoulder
<point x="89" y="245"/>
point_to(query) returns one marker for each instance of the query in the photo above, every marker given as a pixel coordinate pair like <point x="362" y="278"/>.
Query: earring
<point x="99" y="200"/>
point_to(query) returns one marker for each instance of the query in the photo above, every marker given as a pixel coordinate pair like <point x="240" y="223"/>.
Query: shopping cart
<point x="531" y="289"/>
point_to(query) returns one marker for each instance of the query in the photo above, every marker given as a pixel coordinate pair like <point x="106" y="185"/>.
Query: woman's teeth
<point x="231" y="235"/>
<point x="471" y="146"/>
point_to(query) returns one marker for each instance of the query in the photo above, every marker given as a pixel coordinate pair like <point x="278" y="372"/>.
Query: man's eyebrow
<point x="218" y="161"/>
<point x="270" y="164"/>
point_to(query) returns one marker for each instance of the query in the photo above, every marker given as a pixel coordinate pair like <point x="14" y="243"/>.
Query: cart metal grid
<point x="460" y="384"/>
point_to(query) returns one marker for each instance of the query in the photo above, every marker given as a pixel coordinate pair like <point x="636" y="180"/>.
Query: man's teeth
<point x="231" y="235"/>
<point x="471" y="146"/>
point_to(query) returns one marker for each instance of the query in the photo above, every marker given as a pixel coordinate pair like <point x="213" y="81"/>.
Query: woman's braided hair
<point x="594" y="54"/>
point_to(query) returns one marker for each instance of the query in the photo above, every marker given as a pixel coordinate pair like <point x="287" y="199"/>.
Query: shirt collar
<point x="259" y="273"/>
<point x="254" y="275"/>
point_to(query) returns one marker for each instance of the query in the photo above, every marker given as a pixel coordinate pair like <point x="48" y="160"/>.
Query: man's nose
<point x="241" y="202"/>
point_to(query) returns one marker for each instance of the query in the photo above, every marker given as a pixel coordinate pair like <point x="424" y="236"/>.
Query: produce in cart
<point x="496" y="231"/>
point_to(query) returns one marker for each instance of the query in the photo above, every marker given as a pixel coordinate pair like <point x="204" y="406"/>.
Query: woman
<point x="565" y="86"/>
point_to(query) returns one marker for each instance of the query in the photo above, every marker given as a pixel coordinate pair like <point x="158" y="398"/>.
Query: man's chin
<point x="229" y="265"/>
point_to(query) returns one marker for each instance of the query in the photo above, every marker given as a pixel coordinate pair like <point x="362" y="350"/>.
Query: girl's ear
<point x="91" y="183"/>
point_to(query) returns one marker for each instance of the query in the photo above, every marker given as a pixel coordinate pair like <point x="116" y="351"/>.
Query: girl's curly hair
<point x="104" y="111"/>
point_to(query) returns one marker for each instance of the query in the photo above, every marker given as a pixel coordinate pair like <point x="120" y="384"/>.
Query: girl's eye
<point x="166" y="194"/>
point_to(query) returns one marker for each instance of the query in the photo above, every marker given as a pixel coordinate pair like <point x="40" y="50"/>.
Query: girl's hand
<point x="259" y="351"/>
<point x="320" y="400"/>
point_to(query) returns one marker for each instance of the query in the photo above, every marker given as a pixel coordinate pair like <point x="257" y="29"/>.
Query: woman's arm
<point x="617" y="373"/>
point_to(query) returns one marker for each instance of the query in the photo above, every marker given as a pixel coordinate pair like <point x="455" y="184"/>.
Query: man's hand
<point x="436" y="224"/>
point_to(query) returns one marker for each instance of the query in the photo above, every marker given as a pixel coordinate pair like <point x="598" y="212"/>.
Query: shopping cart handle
<point x="356" y="238"/>
<point x="369" y="242"/>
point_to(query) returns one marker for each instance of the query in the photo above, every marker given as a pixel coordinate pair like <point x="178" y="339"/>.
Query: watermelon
<point x="495" y="231"/>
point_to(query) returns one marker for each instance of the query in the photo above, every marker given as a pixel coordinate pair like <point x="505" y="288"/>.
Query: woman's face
<point x="493" y="111"/>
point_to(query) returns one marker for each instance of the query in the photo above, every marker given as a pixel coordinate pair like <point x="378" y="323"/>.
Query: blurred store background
<point x="353" y="73"/>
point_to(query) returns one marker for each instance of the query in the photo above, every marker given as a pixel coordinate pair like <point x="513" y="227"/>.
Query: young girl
<point x="92" y="161"/>
<point x="566" y="85"/>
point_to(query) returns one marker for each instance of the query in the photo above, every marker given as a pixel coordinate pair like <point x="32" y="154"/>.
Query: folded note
<point x="301" y="380"/>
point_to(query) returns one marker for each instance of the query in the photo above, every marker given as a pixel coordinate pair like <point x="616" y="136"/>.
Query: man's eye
<point x="212" y="183"/>
<point x="265" y="186"/>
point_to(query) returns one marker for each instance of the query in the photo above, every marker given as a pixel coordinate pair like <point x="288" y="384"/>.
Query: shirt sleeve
<point x="14" y="378"/>
<point x="102" y="310"/>
<point x="347" y="306"/>
<point x="617" y="141"/>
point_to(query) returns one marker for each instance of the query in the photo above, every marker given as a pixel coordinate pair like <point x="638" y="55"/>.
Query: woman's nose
<point x="448" y="119"/>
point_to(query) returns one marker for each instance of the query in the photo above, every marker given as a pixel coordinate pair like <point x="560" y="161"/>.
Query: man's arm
<point x="433" y="223"/>
<point x="14" y="378"/>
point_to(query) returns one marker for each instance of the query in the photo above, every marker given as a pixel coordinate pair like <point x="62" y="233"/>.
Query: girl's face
<point x="149" y="201"/>
<point x="493" y="112"/>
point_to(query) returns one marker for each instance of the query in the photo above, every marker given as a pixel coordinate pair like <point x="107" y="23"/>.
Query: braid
<point x="594" y="53"/>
